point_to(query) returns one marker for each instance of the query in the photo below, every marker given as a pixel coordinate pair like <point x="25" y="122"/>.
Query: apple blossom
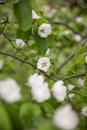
<point x="78" y="19"/>
<point x="66" y="118"/>
<point x="34" y="15"/>
<point x="20" y="43"/>
<point x="44" y="30"/>
<point x="1" y="64"/>
<point x="59" y="91"/>
<point x="77" y="37"/>
<point x="84" y="111"/>
<point x="43" y="64"/>
<point x="41" y="93"/>
<point x="80" y="83"/>
<point x="86" y="59"/>
<point x="35" y="79"/>
<point x="39" y="88"/>
<point x="70" y="88"/>
<point x="9" y="90"/>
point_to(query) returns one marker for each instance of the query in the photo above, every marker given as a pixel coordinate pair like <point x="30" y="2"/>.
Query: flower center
<point x="44" y="64"/>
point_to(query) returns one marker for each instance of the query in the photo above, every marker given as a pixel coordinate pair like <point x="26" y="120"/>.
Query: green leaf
<point x="78" y="68"/>
<point x="51" y="41"/>
<point x="4" y="119"/>
<point x="23" y="34"/>
<point x="83" y="3"/>
<point x="84" y="89"/>
<point x="11" y="1"/>
<point x="23" y="13"/>
<point x="29" y="113"/>
<point x="47" y="125"/>
<point x="15" y="118"/>
<point x="42" y="44"/>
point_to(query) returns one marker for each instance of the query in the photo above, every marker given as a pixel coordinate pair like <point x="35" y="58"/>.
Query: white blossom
<point x="43" y="64"/>
<point x="44" y="30"/>
<point x="34" y="15"/>
<point x="77" y="37"/>
<point x="48" y="51"/>
<point x="41" y="93"/>
<point x="67" y="32"/>
<point x="84" y="111"/>
<point x="70" y="88"/>
<point x="20" y="43"/>
<point x="63" y="9"/>
<point x="39" y="88"/>
<point x="78" y="19"/>
<point x="86" y="59"/>
<point x="80" y="83"/>
<point x="59" y="91"/>
<point x="66" y="118"/>
<point x="9" y="90"/>
<point x="51" y="13"/>
<point x="1" y="64"/>
<point x="35" y="80"/>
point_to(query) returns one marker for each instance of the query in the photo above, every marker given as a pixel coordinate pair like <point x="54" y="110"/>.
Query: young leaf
<point x="42" y="44"/>
<point x="23" y="13"/>
<point x="4" y="119"/>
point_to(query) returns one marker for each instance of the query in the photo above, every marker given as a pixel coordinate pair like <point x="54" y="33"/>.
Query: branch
<point x="74" y="76"/>
<point x="2" y="2"/>
<point x="29" y="63"/>
<point x="69" y="27"/>
<point x="71" y="55"/>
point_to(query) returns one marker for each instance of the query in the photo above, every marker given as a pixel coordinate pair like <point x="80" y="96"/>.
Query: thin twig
<point x="71" y="55"/>
<point x="29" y="63"/>
<point x="6" y="21"/>
<point x="74" y="76"/>
<point x="69" y="27"/>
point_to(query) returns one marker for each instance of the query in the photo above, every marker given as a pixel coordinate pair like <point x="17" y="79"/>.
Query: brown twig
<point x="74" y="76"/>
<point x="69" y="27"/>
<point x="29" y="63"/>
<point x="71" y="55"/>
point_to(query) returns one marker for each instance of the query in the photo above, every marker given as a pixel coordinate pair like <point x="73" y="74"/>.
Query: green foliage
<point x="16" y="121"/>
<point x="83" y="3"/>
<point x="84" y="89"/>
<point x="42" y="44"/>
<point x="23" y="12"/>
<point x="11" y="1"/>
<point x="68" y="20"/>
<point x="23" y="34"/>
<point x="5" y="123"/>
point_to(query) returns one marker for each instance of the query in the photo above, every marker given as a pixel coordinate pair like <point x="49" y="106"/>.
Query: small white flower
<point x="41" y="93"/>
<point x="70" y="88"/>
<point x="35" y="79"/>
<point x="67" y="32"/>
<point x="86" y="59"/>
<point x="34" y="15"/>
<point x="63" y="9"/>
<point x="44" y="30"/>
<point x="51" y="13"/>
<point x="9" y="91"/>
<point x="20" y="43"/>
<point x="48" y="51"/>
<point x="80" y="83"/>
<point x="65" y="118"/>
<point x="59" y="91"/>
<point x="39" y="88"/>
<point x="1" y="64"/>
<point x="43" y="64"/>
<point x="77" y="37"/>
<point x="78" y="19"/>
<point x="84" y="111"/>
